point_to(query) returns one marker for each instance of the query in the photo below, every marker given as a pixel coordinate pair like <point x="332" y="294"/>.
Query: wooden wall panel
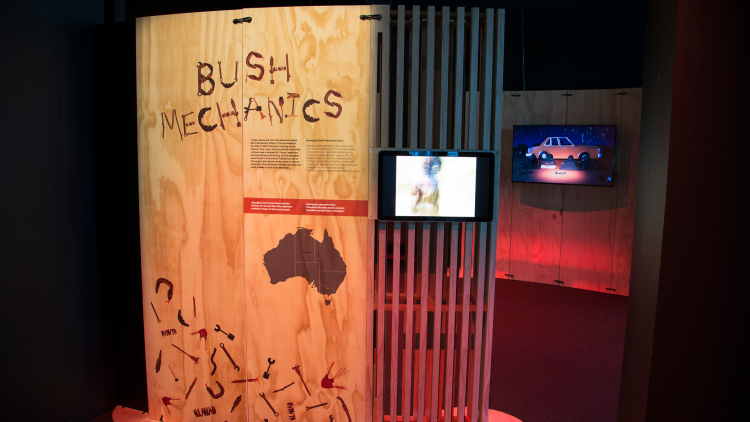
<point x="625" y="182"/>
<point x="594" y="238"/>
<point x="190" y="184"/>
<point x="589" y="211"/>
<point x="535" y="217"/>
<point x="303" y="319"/>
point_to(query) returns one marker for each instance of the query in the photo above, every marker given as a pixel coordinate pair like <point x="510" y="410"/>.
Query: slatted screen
<point x="439" y="85"/>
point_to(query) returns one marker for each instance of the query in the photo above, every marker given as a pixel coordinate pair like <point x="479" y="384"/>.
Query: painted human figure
<point x="168" y="402"/>
<point x="426" y="191"/>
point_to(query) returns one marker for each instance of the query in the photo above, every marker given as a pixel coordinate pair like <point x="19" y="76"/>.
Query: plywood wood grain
<point x="190" y="185"/>
<point x="300" y="311"/>
<point x="588" y="223"/>
<point x="535" y="218"/>
<point x="625" y="182"/>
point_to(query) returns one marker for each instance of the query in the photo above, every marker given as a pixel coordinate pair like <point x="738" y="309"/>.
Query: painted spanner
<point x="236" y="368"/>
<point x="267" y="373"/>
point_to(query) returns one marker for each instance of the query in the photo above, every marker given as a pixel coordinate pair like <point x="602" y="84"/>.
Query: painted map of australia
<point x="300" y="255"/>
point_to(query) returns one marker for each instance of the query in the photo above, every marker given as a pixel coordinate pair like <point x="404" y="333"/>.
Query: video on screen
<point x="575" y="155"/>
<point x="435" y="186"/>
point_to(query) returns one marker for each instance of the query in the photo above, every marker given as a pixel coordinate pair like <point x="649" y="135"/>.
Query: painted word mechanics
<point x="254" y="61"/>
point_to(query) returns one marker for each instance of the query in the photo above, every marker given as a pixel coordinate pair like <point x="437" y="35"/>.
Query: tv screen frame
<point x="563" y="172"/>
<point x="383" y="184"/>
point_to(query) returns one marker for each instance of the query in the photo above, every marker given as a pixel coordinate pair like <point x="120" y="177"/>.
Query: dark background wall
<point x="69" y="257"/>
<point x="686" y="334"/>
<point x="54" y="361"/>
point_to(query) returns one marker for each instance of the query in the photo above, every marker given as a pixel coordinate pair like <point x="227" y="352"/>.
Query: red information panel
<point x="340" y="208"/>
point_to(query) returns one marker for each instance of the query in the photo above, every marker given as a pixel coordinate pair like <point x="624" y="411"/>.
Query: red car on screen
<point x="562" y="147"/>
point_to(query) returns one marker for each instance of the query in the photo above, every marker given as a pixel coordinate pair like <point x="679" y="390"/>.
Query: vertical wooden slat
<point x="414" y="85"/>
<point x="436" y="330"/>
<point x="499" y="35"/>
<point x="395" y="334"/>
<point x="464" y="372"/>
<point x="374" y="29"/>
<point x="498" y="96"/>
<point x="382" y="239"/>
<point x="445" y="33"/>
<point x="487" y="88"/>
<point x="459" y="78"/>
<point x="423" y="306"/>
<point x="466" y="303"/>
<point x="450" y="332"/>
<point x="429" y="77"/>
<point x="473" y="70"/>
<point x="384" y="28"/>
<point x="480" y="259"/>
<point x="371" y="229"/>
<point x="373" y="226"/>
<point x="385" y="75"/>
<point x="487" y="337"/>
<point x="502" y="141"/>
<point x="408" y="321"/>
<point x="400" y="78"/>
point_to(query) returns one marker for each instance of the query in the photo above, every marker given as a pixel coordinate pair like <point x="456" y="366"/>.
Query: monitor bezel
<point x="492" y="183"/>
<point x="614" y="159"/>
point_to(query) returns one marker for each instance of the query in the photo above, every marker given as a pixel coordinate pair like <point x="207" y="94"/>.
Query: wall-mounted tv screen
<point x="431" y="185"/>
<point x="568" y="155"/>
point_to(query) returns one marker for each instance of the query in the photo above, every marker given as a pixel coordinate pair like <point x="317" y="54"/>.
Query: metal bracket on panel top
<point x="246" y="19"/>
<point x="371" y="17"/>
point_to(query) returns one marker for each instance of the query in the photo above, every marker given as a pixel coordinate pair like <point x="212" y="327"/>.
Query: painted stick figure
<point x="327" y="382"/>
<point x="167" y="402"/>
<point x="203" y="335"/>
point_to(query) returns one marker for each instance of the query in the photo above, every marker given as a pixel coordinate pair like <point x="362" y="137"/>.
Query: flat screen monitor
<point x="436" y="185"/>
<point x="565" y="155"/>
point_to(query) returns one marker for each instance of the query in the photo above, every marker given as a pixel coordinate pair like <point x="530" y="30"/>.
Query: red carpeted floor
<point x="557" y="352"/>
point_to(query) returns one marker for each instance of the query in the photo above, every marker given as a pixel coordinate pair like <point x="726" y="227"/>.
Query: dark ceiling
<point x="549" y="44"/>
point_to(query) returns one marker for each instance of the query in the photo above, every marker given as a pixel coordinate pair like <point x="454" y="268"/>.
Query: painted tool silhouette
<point x="267" y="374"/>
<point x="230" y="336"/>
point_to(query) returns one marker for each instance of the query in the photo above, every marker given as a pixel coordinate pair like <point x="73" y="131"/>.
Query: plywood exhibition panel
<point x="580" y="236"/>
<point x="190" y="183"/>
<point x="629" y="140"/>
<point x="306" y="127"/>
<point x="536" y="218"/>
<point x="588" y="224"/>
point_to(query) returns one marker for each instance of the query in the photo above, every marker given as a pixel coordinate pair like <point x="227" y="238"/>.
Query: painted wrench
<point x="269" y="404"/>
<point x="267" y="373"/>
<point x="236" y="368"/>
<point x="194" y="358"/>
